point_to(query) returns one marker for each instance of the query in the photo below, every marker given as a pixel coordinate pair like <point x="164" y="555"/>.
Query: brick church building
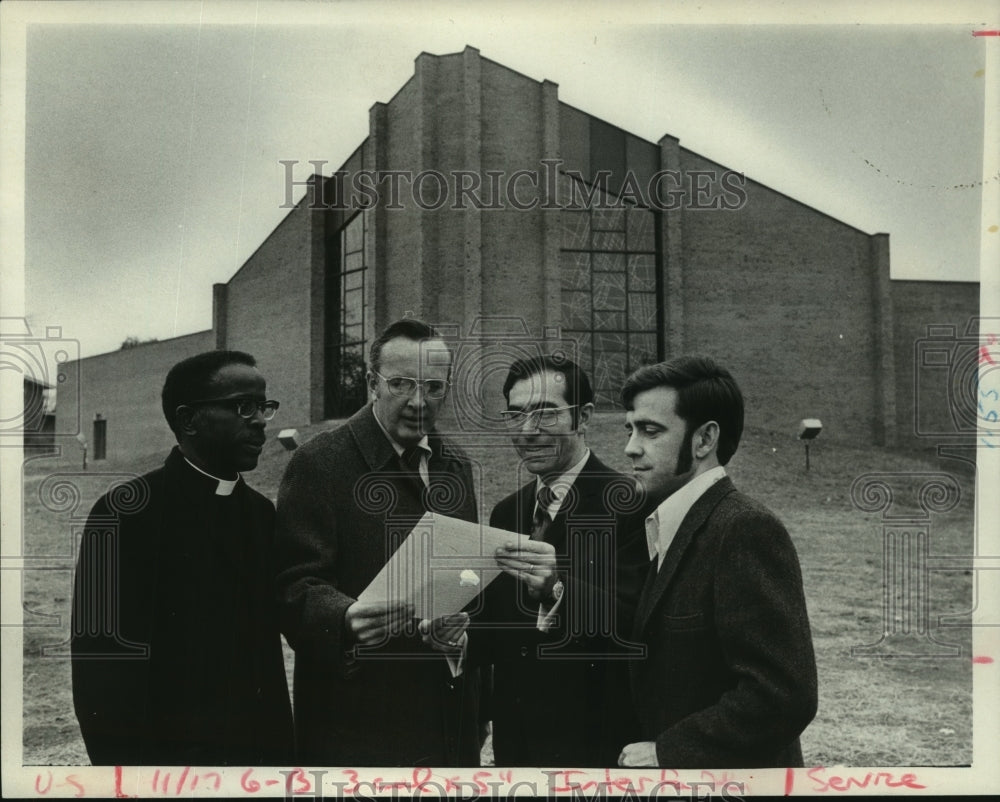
<point x="483" y="204"/>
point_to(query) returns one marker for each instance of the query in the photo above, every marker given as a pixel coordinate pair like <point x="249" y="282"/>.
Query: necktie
<point x="541" y="520"/>
<point x="409" y="461"/>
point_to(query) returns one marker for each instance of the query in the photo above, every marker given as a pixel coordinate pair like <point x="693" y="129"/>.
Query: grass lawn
<point x="898" y="711"/>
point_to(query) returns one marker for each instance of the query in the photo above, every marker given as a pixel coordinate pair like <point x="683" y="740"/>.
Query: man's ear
<point x="184" y="420"/>
<point x="705" y="440"/>
<point x="372" y="381"/>
<point x="583" y="415"/>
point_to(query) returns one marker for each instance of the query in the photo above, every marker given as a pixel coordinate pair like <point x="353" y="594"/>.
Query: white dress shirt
<point x="560" y="486"/>
<point x="560" y="489"/>
<point x="662" y="525"/>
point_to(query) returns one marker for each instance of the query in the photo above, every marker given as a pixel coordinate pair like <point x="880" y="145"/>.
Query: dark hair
<point x="408" y="328"/>
<point x="578" y="390"/>
<point x="705" y="391"/>
<point x="188" y="380"/>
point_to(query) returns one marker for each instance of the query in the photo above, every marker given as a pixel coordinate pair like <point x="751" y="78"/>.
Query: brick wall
<point x="783" y="295"/>
<point x="124" y="388"/>
<point x="934" y="395"/>
<point x="796" y="303"/>
<point x="270" y="312"/>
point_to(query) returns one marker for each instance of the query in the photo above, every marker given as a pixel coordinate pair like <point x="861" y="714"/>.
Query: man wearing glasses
<point x="371" y="689"/>
<point x="554" y="627"/>
<point x="176" y="650"/>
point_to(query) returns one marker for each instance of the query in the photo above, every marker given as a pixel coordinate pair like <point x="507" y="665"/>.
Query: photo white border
<point x="982" y="777"/>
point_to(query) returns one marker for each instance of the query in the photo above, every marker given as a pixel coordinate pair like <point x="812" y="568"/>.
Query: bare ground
<point x="874" y="711"/>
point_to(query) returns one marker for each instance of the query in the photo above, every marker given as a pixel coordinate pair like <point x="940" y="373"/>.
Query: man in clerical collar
<point x="729" y="680"/>
<point x="551" y="624"/>
<point x="177" y="656"/>
<point x="371" y="688"/>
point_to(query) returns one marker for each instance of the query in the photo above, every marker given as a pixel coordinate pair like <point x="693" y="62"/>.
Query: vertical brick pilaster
<point x="670" y="258"/>
<point x="220" y="296"/>
<point x="551" y="234"/>
<point x="374" y="158"/>
<point x="472" y="218"/>
<point x="884" y="370"/>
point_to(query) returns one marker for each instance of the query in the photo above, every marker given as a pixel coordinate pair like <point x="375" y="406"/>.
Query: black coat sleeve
<point x="307" y="547"/>
<point x="109" y="657"/>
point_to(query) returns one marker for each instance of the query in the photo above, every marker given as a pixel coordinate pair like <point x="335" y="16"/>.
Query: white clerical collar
<point x="561" y="485"/>
<point x="225" y="487"/>
<point x="662" y="525"/>
<point x="423" y="444"/>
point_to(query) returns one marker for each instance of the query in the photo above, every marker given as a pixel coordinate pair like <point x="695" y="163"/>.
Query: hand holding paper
<point x="374" y="622"/>
<point x="445" y="632"/>
<point x="531" y="561"/>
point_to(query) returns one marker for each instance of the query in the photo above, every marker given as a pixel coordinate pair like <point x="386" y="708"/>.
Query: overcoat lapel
<point x="693" y="521"/>
<point x="381" y="457"/>
<point x="581" y="496"/>
<point x="370" y="439"/>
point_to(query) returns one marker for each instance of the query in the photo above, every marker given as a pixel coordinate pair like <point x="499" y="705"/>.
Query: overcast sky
<point x="152" y="150"/>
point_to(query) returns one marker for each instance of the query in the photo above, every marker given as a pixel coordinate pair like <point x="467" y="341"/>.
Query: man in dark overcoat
<point x="176" y="652"/>
<point x="368" y="690"/>
<point x="556" y="624"/>
<point x="729" y="680"/>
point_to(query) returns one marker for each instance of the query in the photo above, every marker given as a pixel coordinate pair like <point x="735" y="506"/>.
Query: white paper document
<point x="442" y="565"/>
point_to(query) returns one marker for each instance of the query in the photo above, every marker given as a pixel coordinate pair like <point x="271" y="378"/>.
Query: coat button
<point x="524" y="651"/>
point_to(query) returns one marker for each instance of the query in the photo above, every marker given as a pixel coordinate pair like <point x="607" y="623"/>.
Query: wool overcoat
<point x="343" y="508"/>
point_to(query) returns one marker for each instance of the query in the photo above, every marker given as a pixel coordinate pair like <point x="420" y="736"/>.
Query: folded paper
<point x="441" y="566"/>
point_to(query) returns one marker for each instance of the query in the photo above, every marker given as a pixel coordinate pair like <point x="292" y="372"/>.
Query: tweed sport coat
<point x="343" y="507"/>
<point x="561" y="698"/>
<point x="730" y="676"/>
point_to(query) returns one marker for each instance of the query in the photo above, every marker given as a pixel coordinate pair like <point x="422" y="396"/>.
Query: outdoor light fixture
<point x="287" y="438"/>
<point x="809" y="429"/>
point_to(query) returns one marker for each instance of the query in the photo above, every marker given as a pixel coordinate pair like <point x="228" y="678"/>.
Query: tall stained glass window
<point x="346" y="310"/>
<point x="609" y="286"/>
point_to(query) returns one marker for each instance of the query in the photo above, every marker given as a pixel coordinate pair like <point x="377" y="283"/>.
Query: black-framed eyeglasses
<point x="405" y="386"/>
<point x="246" y="408"/>
<point x="544" y="417"/>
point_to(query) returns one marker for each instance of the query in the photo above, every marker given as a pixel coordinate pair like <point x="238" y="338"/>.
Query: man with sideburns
<point x="372" y="688"/>
<point x="176" y="652"/>
<point x="729" y="680"/>
<point x="554" y="625"/>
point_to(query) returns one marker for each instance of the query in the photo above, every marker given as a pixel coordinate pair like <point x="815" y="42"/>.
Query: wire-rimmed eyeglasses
<point x="405" y="386"/>
<point x="543" y="417"/>
<point x="246" y="408"/>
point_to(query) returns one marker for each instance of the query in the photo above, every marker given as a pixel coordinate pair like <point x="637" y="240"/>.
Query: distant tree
<point x="132" y="342"/>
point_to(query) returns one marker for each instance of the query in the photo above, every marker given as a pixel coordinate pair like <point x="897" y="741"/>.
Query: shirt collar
<point x="223" y="487"/>
<point x="662" y="525"/>
<point x="423" y="444"/>
<point x="561" y="485"/>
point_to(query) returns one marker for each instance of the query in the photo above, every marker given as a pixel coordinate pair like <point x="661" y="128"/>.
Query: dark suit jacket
<point x="176" y="651"/>
<point x="343" y="507"/>
<point x="730" y="679"/>
<point x="560" y="698"/>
